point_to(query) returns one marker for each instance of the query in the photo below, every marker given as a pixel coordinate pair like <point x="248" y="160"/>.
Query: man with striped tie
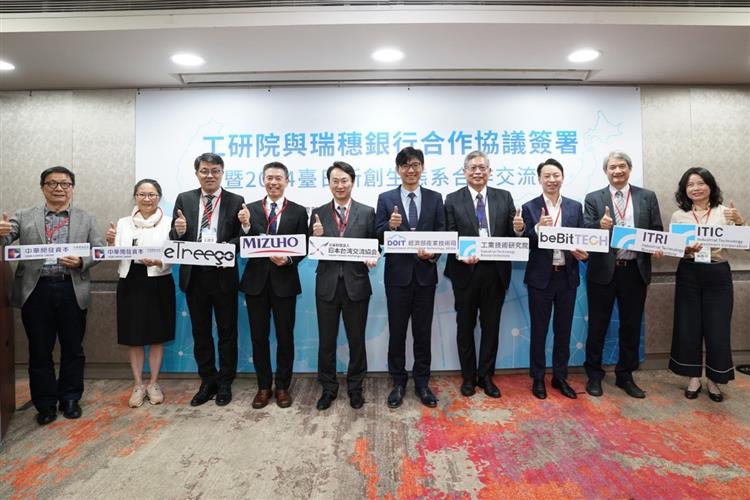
<point x="210" y="214"/>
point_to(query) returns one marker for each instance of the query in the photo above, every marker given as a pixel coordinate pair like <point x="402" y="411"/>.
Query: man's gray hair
<point x="476" y="154"/>
<point x="617" y="155"/>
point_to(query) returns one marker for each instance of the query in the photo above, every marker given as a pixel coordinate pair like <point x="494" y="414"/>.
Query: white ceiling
<point x="132" y="49"/>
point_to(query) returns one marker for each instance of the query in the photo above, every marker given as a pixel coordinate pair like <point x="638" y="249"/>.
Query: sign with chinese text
<point x="350" y="249"/>
<point x="413" y="241"/>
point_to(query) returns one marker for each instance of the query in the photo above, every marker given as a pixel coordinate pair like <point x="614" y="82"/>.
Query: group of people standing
<point x="53" y="294"/>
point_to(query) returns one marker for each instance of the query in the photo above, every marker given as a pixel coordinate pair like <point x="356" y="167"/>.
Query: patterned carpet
<point x="514" y="447"/>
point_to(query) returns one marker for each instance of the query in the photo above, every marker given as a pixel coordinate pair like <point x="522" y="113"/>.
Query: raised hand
<point x="606" y="221"/>
<point x="5" y="225"/>
<point x="732" y="215"/>
<point x="180" y="224"/>
<point x="111" y="234"/>
<point x="244" y="216"/>
<point x="545" y="219"/>
<point x="518" y="224"/>
<point x="395" y="220"/>
<point x="317" y="226"/>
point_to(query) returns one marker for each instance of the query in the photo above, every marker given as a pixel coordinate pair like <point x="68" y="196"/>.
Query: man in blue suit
<point x="551" y="278"/>
<point x="410" y="279"/>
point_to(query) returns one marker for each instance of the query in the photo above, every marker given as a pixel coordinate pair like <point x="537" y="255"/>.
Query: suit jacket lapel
<point x="470" y="211"/>
<point x="494" y="213"/>
<point x="636" y="204"/>
<point x="39" y="223"/>
<point x="401" y="208"/>
<point x="353" y="214"/>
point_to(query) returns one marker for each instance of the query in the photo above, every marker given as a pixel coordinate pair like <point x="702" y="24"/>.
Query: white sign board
<point x="273" y="245"/>
<point x="734" y="237"/>
<point x="43" y="252"/>
<point x="491" y="248"/>
<point x="413" y="241"/>
<point x="198" y="253"/>
<point x="645" y="240"/>
<point x="573" y="238"/>
<point x="126" y="253"/>
<point x="349" y="249"/>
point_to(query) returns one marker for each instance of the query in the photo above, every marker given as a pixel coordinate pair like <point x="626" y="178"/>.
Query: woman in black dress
<point x="145" y="292"/>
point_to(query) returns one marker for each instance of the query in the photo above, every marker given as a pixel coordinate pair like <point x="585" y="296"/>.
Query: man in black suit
<point x="210" y="214"/>
<point x="552" y="278"/>
<point x="479" y="210"/>
<point x="620" y="274"/>
<point x="410" y="279"/>
<point x="342" y="288"/>
<point x="271" y="285"/>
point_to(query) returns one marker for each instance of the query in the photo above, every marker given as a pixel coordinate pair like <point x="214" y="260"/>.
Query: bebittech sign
<point x="273" y="245"/>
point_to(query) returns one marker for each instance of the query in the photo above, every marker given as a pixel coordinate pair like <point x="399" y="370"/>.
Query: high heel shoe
<point x="694" y="394"/>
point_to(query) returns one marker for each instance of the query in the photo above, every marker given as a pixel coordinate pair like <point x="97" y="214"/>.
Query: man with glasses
<point x="410" y="279"/>
<point x="53" y="294"/>
<point x="479" y="210"/>
<point x="210" y="214"/>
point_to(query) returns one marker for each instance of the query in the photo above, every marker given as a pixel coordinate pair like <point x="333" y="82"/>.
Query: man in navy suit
<point x="209" y="214"/>
<point x="551" y="278"/>
<point x="620" y="274"/>
<point x="271" y="285"/>
<point x="410" y="279"/>
<point x="342" y="288"/>
<point x="479" y="210"/>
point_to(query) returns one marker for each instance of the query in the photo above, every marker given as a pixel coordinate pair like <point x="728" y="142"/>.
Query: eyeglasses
<point x="143" y="196"/>
<point x="477" y="168"/>
<point x="53" y="184"/>
<point x="214" y="172"/>
<point x="414" y="165"/>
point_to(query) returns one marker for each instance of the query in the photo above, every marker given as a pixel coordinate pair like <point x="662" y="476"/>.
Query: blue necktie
<point x="412" y="212"/>
<point x="272" y="218"/>
<point x="481" y="215"/>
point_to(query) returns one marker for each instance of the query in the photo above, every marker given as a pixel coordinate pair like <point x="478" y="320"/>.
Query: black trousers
<point x="206" y="299"/>
<point x="354" y="313"/>
<point x="51" y="313"/>
<point x="259" y="310"/>
<point x="415" y="302"/>
<point x="629" y="289"/>
<point x="563" y="297"/>
<point x="703" y="304"/>
<point x="485" y="295"/>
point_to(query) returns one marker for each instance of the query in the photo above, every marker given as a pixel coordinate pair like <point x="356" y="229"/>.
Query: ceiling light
<point x="6" y="66"/>
<point x="185" y="59"/>
<point x="387" y="55"/>
<point x="584" y="55"/>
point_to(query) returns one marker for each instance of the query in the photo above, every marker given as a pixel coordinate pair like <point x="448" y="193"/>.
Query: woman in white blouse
<point x="145" y="291"/>
<point x="703" y="290"/>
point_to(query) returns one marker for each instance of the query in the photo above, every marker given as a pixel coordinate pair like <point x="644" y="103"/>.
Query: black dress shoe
<point x="223" y="395"/>
<point x="396" y="397"/>
<point x="630" y="389"/>
<point x="538" y="389"/>
<point x="325" y="400"/>
<point x="206" y="392"/>
<point x="594" y="387"/>
<point x="694" y="394"/>
<point x="70" y="408"/>
<point x="47" y="416"/>
<point x="467" y="389"/>
<point x="426" y="396"/>
<point x="562" y="385"/>
<point x="489" y="387"/>
<point x="716" y="397"/>
<point x="356" y="400"/>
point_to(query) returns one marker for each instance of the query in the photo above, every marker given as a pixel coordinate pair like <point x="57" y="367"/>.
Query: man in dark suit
<point x="410" y="279"/>
<point x="479" y="210"/>
<point x="620" y="274"/>
<point x="342" y="288"/>
<point x="552" y="279"/>
<point x="210" y="214"/>
<point x="271" y="285"/>
<point x="54" y="294"/>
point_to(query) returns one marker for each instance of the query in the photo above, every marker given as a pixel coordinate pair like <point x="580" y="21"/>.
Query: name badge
<point x="704" y="256"/>
<point x="208" y="235"/>
<point x="483" y="232"/>
<point x="50" y="261"/>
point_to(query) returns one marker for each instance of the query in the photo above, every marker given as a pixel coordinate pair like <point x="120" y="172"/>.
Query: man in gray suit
<point x="342" y="288"/>
<point x="53" y="294"/>
<point x="620" y="274"/>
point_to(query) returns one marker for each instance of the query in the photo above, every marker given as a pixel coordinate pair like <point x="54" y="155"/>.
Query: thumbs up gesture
<point x="732" y="215"/>
<point x="545" y="219"/>
<point x="606" y="221"/>
<point x="518" y="224"/>
<point x="395" y="220"/>
<point x="5" y="225"/>
<point x="244" y="216"/>
<point x="111" y="234"/>
<point x="317" y="226"/>
<point x="180" y="224"/>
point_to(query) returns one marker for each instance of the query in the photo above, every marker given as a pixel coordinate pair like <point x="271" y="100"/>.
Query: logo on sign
<point x="276" y="245"/>
<point x="626" y="237"/>
<point x="396" y="241"/>
<point x="14" y="253"/>
<point x="99" y="253"/>
<point x="467" y="248"/>
<point x="317" y="250"/>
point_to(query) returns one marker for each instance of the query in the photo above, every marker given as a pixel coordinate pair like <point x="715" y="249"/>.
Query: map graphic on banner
<point x="308" y="129"/>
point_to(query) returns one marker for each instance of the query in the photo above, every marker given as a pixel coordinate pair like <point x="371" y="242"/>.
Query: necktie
<point x="207" y="212"/>
<point x="342" y="218"/>
<point x="272" y="218"/>
<point x="412" y="212"/>
<point x="620" y="204"/>
<point x="481" y="215"/>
